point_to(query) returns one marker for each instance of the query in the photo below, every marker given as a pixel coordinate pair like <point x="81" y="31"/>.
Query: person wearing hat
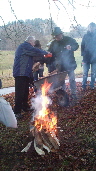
<point x="88" y="51"/>
<point x="62" y="49"/>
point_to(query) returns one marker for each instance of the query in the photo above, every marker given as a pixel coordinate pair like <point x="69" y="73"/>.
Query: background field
<point x="6" y="65"/>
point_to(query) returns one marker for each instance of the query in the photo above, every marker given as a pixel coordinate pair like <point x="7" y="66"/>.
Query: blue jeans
<point x="72" y="82"/>
<point x="86" y="67"/>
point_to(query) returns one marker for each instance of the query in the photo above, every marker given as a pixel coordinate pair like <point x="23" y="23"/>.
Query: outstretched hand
<point x="48" y="55"/>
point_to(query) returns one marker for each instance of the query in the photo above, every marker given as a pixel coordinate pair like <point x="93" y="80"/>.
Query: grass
<point x="6" y="65"/>
<point x="6" y="60"/>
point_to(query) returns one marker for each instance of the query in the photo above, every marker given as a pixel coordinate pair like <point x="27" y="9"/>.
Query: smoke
<point x="38" y="101"/>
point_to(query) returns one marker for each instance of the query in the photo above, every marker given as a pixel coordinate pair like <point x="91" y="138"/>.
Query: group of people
<point x="62" y="49"/>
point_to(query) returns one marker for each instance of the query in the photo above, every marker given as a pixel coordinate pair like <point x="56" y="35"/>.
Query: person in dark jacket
<point x="62" y="49"/>
<point x="88" y="51"/>
<point x="22" y="71"/>
<point x="39" y="72"/>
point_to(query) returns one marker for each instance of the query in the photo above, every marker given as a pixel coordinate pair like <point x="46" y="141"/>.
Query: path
<point x="8" y="90"/>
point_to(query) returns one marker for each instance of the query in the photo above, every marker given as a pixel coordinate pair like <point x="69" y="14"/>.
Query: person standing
<point x="62" y="49"/>
<point x="88" y="51"/>
<point x="22" y="70"/>
<point x="39" y="72"/>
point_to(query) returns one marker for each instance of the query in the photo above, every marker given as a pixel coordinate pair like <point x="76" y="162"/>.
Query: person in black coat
<point x="88" y="51"/>
<point x="62" y="49"/>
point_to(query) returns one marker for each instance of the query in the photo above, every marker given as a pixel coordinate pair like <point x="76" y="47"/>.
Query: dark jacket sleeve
<point x="31" y="53"/>
<point x="50" y="49"/>
<point x="83" y="46"/>
<point x="74" y="44"/>
<point x="36" y="53"/>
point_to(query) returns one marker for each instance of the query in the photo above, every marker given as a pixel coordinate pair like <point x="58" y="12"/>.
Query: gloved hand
<point x="48" y="55"/>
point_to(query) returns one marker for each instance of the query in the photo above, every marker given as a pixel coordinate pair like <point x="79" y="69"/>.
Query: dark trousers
<point x="21" y="93"/>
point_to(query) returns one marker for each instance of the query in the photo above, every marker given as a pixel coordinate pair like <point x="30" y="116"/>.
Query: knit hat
<point x="56" y="31"/>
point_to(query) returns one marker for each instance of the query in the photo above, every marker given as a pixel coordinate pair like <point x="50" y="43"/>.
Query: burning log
<point x="46" y="140"/>
<point x="38" y="138"/>
<point x="42" y="139"/>
<point x="52" y="143"/>
<point x="43" y="136"/>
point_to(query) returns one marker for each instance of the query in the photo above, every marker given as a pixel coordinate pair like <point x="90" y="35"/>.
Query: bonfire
<point x="44" y="124"/>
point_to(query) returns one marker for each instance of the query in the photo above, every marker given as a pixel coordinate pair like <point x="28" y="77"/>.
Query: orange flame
<point x="46" y="119"/>
<point x="45" y="87"/>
